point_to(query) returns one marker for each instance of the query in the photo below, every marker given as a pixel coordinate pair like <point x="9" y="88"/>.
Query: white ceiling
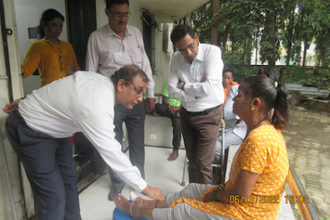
<point x="167" y="10"/>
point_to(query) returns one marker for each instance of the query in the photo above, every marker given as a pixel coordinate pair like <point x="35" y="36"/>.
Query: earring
<point x="252" y="108"/>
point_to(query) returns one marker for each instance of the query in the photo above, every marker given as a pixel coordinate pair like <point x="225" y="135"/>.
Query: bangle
<point x="214" y="196"/>
<point x="221" y="187"/>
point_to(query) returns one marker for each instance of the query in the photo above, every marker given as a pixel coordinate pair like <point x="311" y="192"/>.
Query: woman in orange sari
<point x="227" y="82"/>
<point x="258" y="173"/>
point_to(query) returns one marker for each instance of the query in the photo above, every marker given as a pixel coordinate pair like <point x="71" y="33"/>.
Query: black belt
<point x="205" y="112"/>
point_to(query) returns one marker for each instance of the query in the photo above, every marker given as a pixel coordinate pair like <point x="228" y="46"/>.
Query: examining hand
<point x="150" y="105"/>
<point x="9" y="108"/>
<point x="154" y="193"/>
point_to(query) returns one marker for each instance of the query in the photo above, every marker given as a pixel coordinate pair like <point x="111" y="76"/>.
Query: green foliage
<point x="266" y="25"/>
<point x="312" y="76"/>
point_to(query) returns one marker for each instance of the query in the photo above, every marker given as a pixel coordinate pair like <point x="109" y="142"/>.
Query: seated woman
<point x="235" y="128"/>
<point x="258" y="173"/>
<point x="227" y="82"/>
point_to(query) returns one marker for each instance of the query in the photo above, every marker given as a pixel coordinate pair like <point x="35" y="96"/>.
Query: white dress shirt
<point x="103" y="53"/>
<point x="197" y="95"/>
<point x="83" y="102"/>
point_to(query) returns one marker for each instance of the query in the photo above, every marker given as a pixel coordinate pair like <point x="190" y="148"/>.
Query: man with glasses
<point x="40" y="129"/>
<point x="109" y="48"/>
<point x="196" y="80"/>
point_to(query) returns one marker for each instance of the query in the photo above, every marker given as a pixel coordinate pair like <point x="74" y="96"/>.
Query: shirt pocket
<point x="105" y="58"/>
<point x="135" y="55"/>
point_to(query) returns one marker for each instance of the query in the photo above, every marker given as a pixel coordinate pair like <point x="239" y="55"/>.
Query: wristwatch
<point x="180" y="84"/>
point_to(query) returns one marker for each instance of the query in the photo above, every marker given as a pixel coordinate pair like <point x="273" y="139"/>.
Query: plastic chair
<point x="222" y="167"/>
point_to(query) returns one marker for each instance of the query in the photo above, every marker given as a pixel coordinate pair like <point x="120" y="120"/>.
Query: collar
<point x="199" y="57"/>
<point x="200" y="54"/>
<point x="110" y="32"/>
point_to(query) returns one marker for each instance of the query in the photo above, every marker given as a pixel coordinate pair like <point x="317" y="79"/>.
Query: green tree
<point x="321" y="21"/>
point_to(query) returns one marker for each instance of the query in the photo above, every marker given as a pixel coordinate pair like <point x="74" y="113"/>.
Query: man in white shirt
<point x="40" y="130"/>
<point x="109" y="48"/>
<point x="196" y="80"/>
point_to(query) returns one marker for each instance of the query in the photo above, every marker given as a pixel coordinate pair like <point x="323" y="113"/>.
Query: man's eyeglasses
<point x="190" y="47"/>
<point x="138" y="92"/>
<point x="119" y="15"/>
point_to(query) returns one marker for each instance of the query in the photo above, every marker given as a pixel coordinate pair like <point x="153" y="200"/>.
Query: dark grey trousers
<point x="200" y="133"/>
<point x="134" y="120"/>
<point x="163" y="111"/>
<point x="50" y="168"/>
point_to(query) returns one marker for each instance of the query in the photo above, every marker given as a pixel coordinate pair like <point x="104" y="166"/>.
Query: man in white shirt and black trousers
<point x="196" y="80"/>
<point x="40" y="129"/>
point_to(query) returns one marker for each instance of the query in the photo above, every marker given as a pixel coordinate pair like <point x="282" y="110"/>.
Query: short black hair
<point x="110" y="3"/>
<point x="180" y="31"/>
<point x="127" y="73"/>
<point x="228" y="70"/>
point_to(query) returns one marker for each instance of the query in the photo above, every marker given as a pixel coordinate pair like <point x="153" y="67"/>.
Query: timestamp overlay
<point x="254" y="199"/>
<point x="301" y="199"/>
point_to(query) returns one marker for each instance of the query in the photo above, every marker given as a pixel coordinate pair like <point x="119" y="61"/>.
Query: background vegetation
<point x="272" y="27"/>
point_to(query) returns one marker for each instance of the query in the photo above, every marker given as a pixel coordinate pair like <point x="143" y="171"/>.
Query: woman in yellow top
<point x="258" y="173"/>
<point x="227" y="82"/>
<point x="53" y="58"/>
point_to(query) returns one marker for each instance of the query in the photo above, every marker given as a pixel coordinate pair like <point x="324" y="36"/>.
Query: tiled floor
<point x="94" y="203"/>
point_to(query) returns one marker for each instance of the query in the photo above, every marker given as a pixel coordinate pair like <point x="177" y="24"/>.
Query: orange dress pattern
<point x="263" y="152"/>
<point x="53" y="62"/>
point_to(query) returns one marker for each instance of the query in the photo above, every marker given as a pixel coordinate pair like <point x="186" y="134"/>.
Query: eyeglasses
<point x="138" y="92"/>
<point x="119" y="15"/>
<point x="190" y="47"/>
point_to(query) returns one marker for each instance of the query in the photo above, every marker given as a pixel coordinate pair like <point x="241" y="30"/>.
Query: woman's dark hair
<point x="110" y="3"/>
<point x="47" y="16"/>
<point x="273" y="94"/>
<point x="270" y="72"/>
<point x="180" y="31"/>
<point x="228" y="70"/>
<point x="127" y="73"/>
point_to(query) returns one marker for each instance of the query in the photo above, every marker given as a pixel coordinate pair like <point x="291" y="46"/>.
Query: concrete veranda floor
<point x="94" y="203"/>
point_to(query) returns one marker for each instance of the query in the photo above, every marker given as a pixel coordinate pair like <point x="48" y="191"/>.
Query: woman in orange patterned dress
<point x="53" y="58"/>
<point x="258" y="173"/>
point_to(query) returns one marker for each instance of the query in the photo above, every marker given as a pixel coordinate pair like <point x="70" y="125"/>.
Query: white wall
<point x="28" y="14"/>
<point x="6" y="212"/>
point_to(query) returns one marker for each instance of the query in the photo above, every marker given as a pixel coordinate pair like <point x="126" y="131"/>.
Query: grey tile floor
<point x="94" y="203"/>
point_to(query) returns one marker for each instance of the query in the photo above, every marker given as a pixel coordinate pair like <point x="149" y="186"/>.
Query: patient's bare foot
<point x="144" y="203"/>
<point x="123" y="204"/>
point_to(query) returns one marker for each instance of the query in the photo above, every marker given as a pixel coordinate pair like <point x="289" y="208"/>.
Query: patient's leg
<point x="191" y="191"/>
<point x="134" y="210"/>
<point x="147" y="203"/>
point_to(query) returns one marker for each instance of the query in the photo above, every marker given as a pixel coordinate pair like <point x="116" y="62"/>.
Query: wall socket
<point x="153" y="137"/>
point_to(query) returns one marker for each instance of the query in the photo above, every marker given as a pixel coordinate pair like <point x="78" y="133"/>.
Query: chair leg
<point x="183" y="183"/>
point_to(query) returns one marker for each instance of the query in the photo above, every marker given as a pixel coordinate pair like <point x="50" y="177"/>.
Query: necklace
<point x="58" y="53"/>
<point x="255" y="126"/>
